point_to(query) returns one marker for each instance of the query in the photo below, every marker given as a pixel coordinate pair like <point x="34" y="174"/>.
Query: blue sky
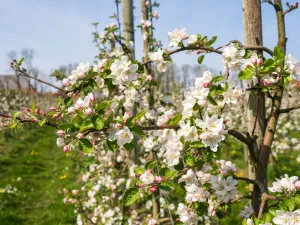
<point x="60" y="30"/>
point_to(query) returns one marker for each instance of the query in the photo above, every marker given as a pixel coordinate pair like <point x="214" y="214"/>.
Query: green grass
<point x="33" y="156"/>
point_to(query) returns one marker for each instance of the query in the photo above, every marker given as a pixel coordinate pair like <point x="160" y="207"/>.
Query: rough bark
<point x="128" y="24"/>
<point x="255" y="100"/>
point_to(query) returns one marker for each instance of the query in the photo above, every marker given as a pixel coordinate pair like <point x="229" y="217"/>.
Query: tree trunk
<point x="128" y="24"/>
<point x="256" y="100"/>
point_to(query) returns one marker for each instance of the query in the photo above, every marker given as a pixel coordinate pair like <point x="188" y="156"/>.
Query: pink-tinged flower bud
<point x="126" y="116"/>
<point x="153" y="189"/>
<point x="70" y="94"/>
<point x="66" y="148"/>
<point x="149" y="171"/>
<point x="36" y="111"/>
<point x="118" y="125"/>
<point x="156" y="15"/>
<point x="94" y="142"/>
<point x="80" y="135"/>
<point x="297" y="185"/>
<point x="51" y="108"/>
<point x="60" y="133"/>
<point x="259" y="62"/>
<point x="66" y="82"/>
<point x="253" y="61"/>
<point x="296" y="4"/>
<point x="139" y="185"/>
<point x="167" y="179"/>
<point x="91" y="97"/>
<point x="71" y="110"/>
<point x="89" y="112"/>
<point x="147" y="3"/>
<point x="75" y="192"/>
<point x="206" y="85"/>
<point x="138" y="175"/>
<point x="149" y="77"/>
<point x="158" y="179"/>
<point x="34" y="121"/>
<point x="213" y="212"/>
<point x="81" y="76"/>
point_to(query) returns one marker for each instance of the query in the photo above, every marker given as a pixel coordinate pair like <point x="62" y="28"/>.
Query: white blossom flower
<point x="147" y="177"/>
<point x="177" y="36"/>
<point x="192" y="39"/>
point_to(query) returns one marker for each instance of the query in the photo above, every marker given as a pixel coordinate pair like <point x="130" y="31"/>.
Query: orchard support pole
<point x="255" y="108"/>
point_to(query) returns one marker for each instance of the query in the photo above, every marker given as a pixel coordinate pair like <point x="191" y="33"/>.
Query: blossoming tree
<point x="145" y="150"/>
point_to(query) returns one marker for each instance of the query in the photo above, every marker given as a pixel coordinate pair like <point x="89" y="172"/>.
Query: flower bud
<point x="71" y="110"/>
<point x="81" y="76"/>
<point x="138" y="175"/>
<point x="147" y="3"/>
<point x="206" y="85"/>
<point x="139" y="185"/>
<point x="66" y="82"/>
<point x="60" y="133"/>
<point x="297" y="185"/>
<point x="91" y="97"/>
<point x="89" y="112"/>
<point x="158" y="179"/>
<point x="153" y="189"/>
<point x="253" y="61"/>
<point x="259" y="62"/>
<point x="51" y="108"/>
<point x="118" y="125"/>
<point x="66" y="148"/>
<point x="75" y="192"/>
<point x="80" y="135"/>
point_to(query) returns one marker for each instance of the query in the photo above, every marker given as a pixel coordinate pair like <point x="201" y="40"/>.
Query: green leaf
<point x="246" y="74"/>
<point x="167" y="173"/>
<point x="290" y="204"/>
<point x="218" y="79"/>
<point x="93" y="84"/>
<point x="137" y="130"/>
<point x="110" y="145"/>
<point x="104" y="105"/>
<point x="296" y="199"/>
<point x="66" y="126"/>
<point x="197" y="145"/>
<point x="212" y="100"/>
<point x="200" y="59"/>
<point x="139" y="116"/>
<point x="68" y="101"/>
<point x="189" y="160"/>
<point x="174" y="120"/>
<point x="109" y="120"/>
<point x="199" y="164"/>
<point x="138" y="170"/>
<point x="129" y="146"/>
<point x="278" y="53"/>
<point x="86" y="146"/>
<point x="268" y="62"/>
<point x="131" y="196"/>
<point x="15" y="115"/>
<point x="97" y="122"/>
<point x="255" y="220"/>
<point x="77" y="120"/>
<point x="42" y="122"/>
<point x="32" y="108"/>
<point x="179" y="166"/>
<point x="267" y="217"/>
<point x="211" y="41"/>
<point x="86" y="125"/>
<point x="150" y="164"/>
<point x="20" y="61"/>
<point x="166" y="185"/>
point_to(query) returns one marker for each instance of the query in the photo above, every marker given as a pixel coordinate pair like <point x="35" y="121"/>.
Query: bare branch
<point x="287" y="110"/>
<point x="23" y="73"/>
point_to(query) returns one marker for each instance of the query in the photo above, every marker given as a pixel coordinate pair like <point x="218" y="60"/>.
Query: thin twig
<point x="28" y="121"/>
<point x="287" y="110"/>
<point x="23" y="73"/>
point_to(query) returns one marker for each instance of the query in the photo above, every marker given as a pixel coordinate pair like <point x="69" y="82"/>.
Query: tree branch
<point x="23" y="73"/>
<point x="28" y="121"/>
<point x="287" y="110"/>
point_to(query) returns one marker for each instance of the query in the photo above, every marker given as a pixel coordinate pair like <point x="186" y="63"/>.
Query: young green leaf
<point x="131" y="196"/>
<point x="86" y="146"/>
